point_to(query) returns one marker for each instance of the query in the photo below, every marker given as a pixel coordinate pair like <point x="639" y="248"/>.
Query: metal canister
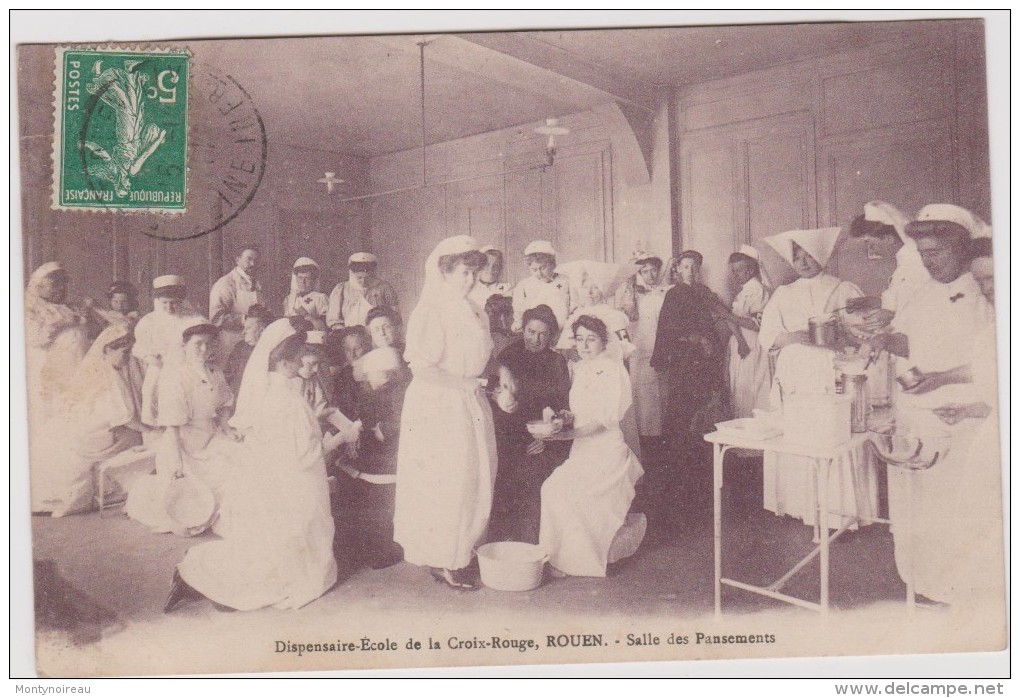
<point x="822" y="329"/>
<point x="856" y="386"/>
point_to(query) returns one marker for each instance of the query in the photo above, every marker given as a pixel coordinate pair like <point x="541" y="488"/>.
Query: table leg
<point x="102" y="490"/>
<point x="908" y="537"/>
<point x="823" y="524"/>
<point x="718" y="453"/>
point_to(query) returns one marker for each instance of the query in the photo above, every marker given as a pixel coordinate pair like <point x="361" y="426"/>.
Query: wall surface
<point x="808" y="144"/>
<point x="498" y="188"/>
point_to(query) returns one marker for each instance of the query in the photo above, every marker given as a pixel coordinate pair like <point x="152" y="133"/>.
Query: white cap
<point x="490" y="248"/>
<point x="948" y="213"/>
<point x="749" y="251"/>
<point x="540" y="247"/>
<point x="362" y="258"/>
<point x="305" y="262"/>
<point x="167" y="281"/>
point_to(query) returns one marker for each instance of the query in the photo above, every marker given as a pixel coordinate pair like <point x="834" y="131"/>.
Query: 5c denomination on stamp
<point x="121" y="130"/>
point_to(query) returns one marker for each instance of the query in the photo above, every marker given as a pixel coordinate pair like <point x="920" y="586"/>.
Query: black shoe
<point x="180" y="592"/>
<point x="455" y="579"/>
<point x="387" y="557"/>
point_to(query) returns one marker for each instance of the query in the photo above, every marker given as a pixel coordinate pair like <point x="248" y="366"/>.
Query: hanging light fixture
<point x="330" y="180"/>
<point x="552" y="129"/>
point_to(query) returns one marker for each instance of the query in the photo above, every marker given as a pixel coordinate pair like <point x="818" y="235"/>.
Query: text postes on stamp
<point x="121" y="138"/>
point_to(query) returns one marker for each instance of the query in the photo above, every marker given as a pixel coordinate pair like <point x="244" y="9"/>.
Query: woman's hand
<point x="351" y="451"/>
<point x="954" y="412"/>
<point x="536" y="447"/>
<point x="931" y="380"/>
<point x="787" y="338"/>
<point x="706" y="346"/>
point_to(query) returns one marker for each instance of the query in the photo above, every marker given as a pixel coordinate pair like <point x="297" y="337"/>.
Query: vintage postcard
<point x="459" y="349"/>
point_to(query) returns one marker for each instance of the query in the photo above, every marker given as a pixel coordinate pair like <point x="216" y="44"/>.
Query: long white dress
<point x="55" y="343"/>
<point x="191" y="399"/>
<point x="789" y="485"/>
<point x="647" y="400"/>
<point x="446" y="464"/>
<point x="941" y="322"/>
<point x="100" y="403"/>
<point x="278" y="550"/>
<point x="585" y="501"/>
<point x="750" y="377"/>
<point x="975" y="526"/>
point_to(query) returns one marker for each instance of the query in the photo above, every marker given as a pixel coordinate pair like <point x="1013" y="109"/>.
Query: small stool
<point x="124" y="468"/>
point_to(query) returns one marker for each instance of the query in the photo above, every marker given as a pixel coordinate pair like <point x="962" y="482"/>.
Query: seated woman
<point x="55" y="342"/>
<point x="194" y="404"/>
<point x="367" y="486"/>
<point x="534" y="377"/>
<point x="256" y="320"/>
<point x="103" y="419"/>
<point x="280" y="552"/>
<point x="586" y="500"/>
<point x="343" y="348"/>
<point x="123" y="298"/>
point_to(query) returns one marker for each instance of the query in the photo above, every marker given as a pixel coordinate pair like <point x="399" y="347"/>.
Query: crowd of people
<point x="330" y="437"/>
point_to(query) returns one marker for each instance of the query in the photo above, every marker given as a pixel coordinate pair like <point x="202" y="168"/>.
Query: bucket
<point x="511" y="566"/>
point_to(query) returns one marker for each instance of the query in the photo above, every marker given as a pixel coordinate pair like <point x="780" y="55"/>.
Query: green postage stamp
<point x="121" y="130"/>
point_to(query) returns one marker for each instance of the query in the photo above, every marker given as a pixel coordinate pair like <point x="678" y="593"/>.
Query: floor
<point x="101" y="582"/>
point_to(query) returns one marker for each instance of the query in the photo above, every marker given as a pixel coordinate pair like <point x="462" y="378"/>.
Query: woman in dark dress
<point x="532" y="377"/>
<point x="687" y="356"/>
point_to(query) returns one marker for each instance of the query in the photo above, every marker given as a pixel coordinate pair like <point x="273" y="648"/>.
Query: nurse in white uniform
<point x="643" y="303"/>
<point x="158" y="338"/>
<point x="935" y="331"/>
<point x="802" y="367"/>
<point x="544" y="287"/>
<point x="231" y="297"/>
<point x="446" y="462"/>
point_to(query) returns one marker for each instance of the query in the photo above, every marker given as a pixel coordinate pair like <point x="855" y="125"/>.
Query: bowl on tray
<point x="541" y="429"/>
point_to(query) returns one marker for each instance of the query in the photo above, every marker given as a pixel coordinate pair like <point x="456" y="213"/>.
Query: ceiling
<point x="361" y="95"/>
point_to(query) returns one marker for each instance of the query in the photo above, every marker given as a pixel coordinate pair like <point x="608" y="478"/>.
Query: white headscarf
<point x="256" y="373"/>
<point x="95" y="377"/>
<point x="433" y="290"/>
<point x="33" y="299"/>
<point x="819" y="243"/>
<point x="887" y="214"/>
<point x="434" y="294"/>
<point x="606" y="276"/>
